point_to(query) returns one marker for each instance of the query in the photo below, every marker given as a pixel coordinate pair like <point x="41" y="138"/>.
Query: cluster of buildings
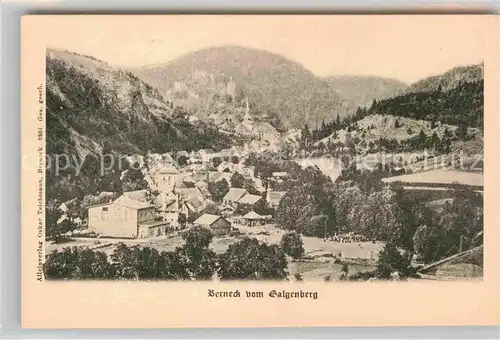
<point x="176" y="191"/>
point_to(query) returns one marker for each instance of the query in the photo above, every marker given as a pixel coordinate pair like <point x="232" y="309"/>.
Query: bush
<point x="250" y="259"/>
<point x="292" y="245"/>
<point x="77" y="264"/>
<point x="218" y="190"/>
<point x="390" y="261"/>
<point x="316" y="226"/>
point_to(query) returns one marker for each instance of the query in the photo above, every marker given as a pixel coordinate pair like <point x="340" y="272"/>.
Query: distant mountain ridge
<point x="363" y="90"/>
<point x="450" y="79"/>
<point x="274" y="85"/>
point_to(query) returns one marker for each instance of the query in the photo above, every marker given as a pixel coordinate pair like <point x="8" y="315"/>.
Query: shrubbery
<point x="292" y="245"/>
<point x="245" y="260"/>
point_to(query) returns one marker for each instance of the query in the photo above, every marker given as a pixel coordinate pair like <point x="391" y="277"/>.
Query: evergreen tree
<point x="462" y="131"/>
<point x="397" y="124"/>
<point x="305" y="138"/>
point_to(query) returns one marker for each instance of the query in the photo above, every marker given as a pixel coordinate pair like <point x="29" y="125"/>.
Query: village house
<point x="193" y="119"/>
<point x="233" y="196"/>
<point x="240" y="197"/>
<point x="225" y="167"/>
<point x="192" y="201"/>
<point x="247" y="172"/>
<point x="195" y="157"/>
<point x="183" y="153"/>
<point x="167" y="206"/>
<point x="206" y="155"/>
<point x="279" y="176"/>
<point x="216" y="176"/>
<point x="217" y="224"/>
<point x="249" y="200"/>
<point x="63" y="207"/>
<point x="166" y="177"/>
<point x="202" y="186"/>
<point x="216" y="154"/>
<point x="187" y="193"/>
<point x="126" y="218"/>
<point x="258" y="185"/>
<point x="273" y="198"/>
<point x="192" y="206"/>
<point x="167" y="158"/>
<point x="179" y="184"/>
<point x="189" y="181"/>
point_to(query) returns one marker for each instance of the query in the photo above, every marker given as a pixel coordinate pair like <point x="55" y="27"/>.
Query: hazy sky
<point x="404" y="47"/>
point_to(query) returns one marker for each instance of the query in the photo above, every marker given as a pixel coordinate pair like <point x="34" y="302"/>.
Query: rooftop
<point x="252" y="215"/>
<point x="207" y="219"/>
<point x="189" y="193"/>
<point x="280" y="174"/>
<point x="276" y="196"/>
<point x="167" y="169"/>
<point x="138" y="195"/>
<point x="195" y="202"/>
<point x="131" y="203"/>
<point x="234" y="194"/>
<point x="249" y="199"/>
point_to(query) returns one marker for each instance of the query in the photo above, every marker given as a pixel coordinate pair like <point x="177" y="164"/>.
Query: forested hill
<point x="91" y="104"/>
<point x="450" y="79"/>
<point x="455" y="97"/>
<point x="276" y="86"/>
<point x="464" y="104"/>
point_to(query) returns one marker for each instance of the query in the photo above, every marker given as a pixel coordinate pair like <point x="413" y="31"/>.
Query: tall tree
<point x="250" y="259"/>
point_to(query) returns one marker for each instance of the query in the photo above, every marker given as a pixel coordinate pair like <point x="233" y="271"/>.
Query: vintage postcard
<point x="259" y="170"/>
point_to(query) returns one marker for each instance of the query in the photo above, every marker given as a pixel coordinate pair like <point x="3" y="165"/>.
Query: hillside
<point x="222" y="79"/>
<point x="374" y="127"/>
<point x="450" y="79"/>
<point x="461" y="105"/>
<point x="91" y="104"/>
<point x="362" y="90"/>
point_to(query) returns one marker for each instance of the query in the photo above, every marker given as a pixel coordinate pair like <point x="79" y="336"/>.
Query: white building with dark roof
<point x="126" y="218"/>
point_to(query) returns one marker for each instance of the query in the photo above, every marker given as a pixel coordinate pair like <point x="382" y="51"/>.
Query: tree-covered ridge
<point x="89" y="103"/>
<point x="275" y="85"/>
<point x="450" y="79"/>
<point x="463" y="106"/>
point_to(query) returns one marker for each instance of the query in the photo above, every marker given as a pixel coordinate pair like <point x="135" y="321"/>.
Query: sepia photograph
<point x="214" y="155"/>
<point x="299" y="170"/>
